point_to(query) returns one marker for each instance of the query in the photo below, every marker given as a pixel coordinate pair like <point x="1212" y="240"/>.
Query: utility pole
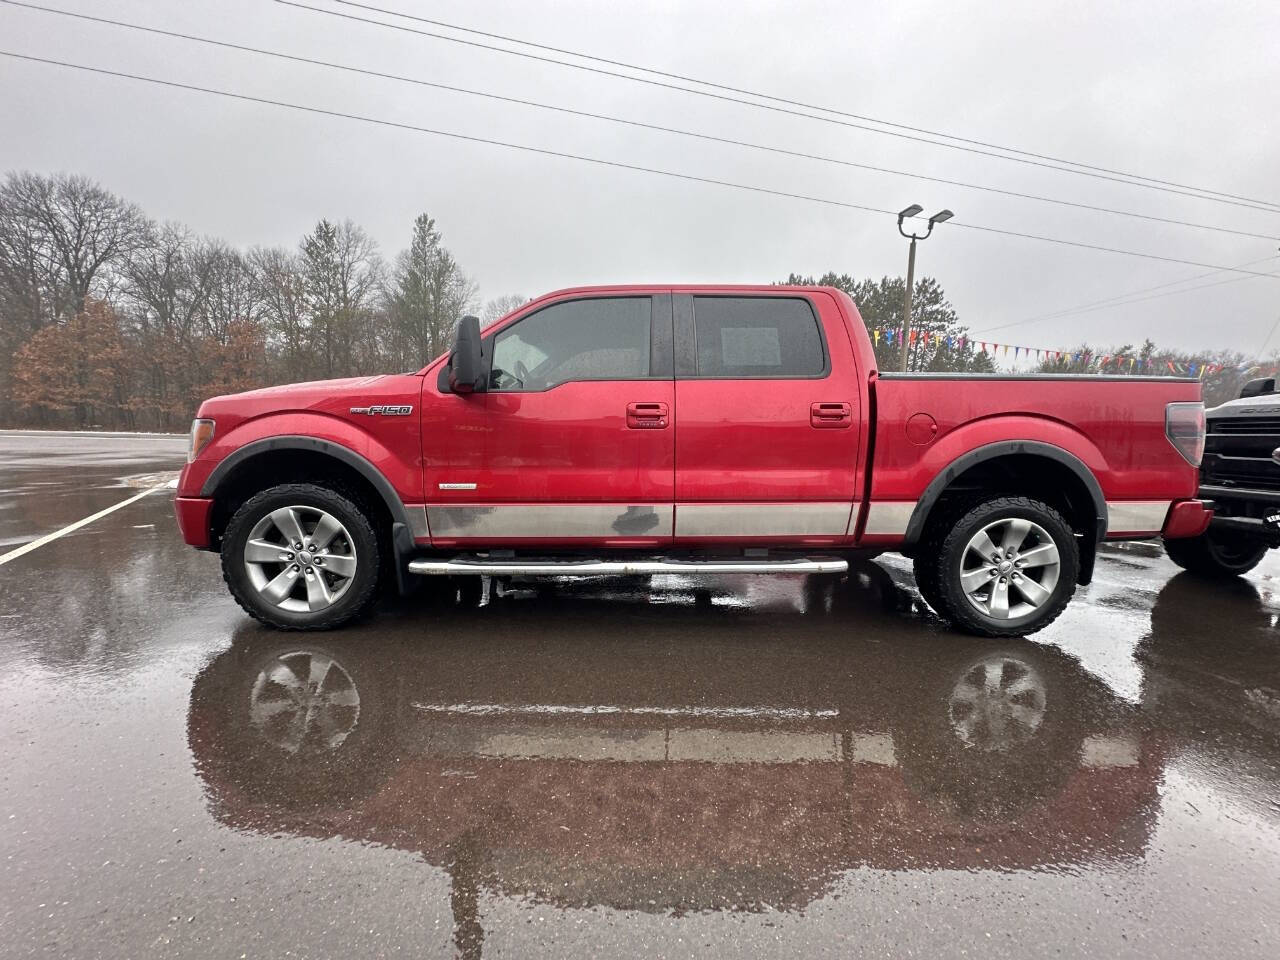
<point x="939" y="217"/>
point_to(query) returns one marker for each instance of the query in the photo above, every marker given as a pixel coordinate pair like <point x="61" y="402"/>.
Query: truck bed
<point x="925" y="422"/>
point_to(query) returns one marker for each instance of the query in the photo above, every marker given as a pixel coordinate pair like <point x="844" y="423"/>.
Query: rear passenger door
<point x="767" y="422"/>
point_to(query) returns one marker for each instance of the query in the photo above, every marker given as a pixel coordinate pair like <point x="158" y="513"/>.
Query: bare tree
<point x="233" y="297"/>
<point x="24" y="269"/>
<point x="167" y="283"/>
<point x="76" y="234"/>
<point x="281" y="295"/>
<point x="499" y="307"/>
<point x="62" y="239"/>
<point x="165" y="291"/>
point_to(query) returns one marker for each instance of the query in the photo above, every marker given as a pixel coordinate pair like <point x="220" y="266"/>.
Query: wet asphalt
<point x="682" y="767"/>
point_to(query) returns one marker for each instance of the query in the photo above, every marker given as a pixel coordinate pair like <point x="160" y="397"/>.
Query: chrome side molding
<point x="595" y="568"/>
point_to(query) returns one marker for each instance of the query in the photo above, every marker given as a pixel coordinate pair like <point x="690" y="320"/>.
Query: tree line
<point x="881" y="301"/>
<point x="950" y="348"/>
<point x="109" y="319"/>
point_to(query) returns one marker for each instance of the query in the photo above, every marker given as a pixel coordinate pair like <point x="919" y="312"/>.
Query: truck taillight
<point x="201" y="434"/>
<point x="1184" y="426"/>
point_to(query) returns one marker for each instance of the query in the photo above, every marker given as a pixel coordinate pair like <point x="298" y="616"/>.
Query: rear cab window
<point x="757" y="337"/>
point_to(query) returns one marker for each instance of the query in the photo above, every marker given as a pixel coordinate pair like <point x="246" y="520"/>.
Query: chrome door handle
<point x="646" y="416"/>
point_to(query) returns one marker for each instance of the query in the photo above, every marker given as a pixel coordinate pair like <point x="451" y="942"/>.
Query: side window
<point x="601" y="339"/>
<point x="757" y="337"/>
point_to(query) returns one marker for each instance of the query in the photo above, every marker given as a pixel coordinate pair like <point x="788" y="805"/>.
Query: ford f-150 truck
<point x="659" y="429"/>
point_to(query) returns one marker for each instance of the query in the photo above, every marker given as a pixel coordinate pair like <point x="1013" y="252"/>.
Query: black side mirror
<point x="466" y="363"/>
<point x="1256" y="388"/>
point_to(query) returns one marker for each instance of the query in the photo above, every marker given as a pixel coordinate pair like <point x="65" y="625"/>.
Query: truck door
<point x="767" y="419"/>
<point x="572" y="443"/>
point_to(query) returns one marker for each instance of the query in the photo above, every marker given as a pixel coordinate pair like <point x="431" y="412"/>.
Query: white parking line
<point x="71" y="528"/>
<point x="93" y="434"/>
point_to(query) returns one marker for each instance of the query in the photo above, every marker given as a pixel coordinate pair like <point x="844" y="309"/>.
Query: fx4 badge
<point x="384" y="411"/>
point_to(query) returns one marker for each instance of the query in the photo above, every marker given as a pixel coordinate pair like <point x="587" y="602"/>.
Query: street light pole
<point x="939" y="217"/>
<point x="906" y="301"/>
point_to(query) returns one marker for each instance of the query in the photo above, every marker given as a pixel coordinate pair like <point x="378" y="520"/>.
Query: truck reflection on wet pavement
<point x="725" y="759"/>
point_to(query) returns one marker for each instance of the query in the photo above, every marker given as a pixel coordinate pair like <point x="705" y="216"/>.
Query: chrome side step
<point x="595" y="568"/>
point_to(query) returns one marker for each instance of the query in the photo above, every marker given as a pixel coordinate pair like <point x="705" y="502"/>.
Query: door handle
<point x="831" y="416"/>
<point x="646" y="416"/>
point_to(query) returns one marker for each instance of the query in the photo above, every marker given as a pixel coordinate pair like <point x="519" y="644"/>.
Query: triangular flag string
<point x="1122" y="363"/>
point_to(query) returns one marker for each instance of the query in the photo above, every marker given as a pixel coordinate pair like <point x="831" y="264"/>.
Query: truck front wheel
<point x="1003" y="568"/>
<point x="1213" y="554"/>
<point x="301" y="557"/>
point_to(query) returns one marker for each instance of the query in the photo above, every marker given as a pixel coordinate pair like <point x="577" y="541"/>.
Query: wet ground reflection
<point x="695" y="758"/>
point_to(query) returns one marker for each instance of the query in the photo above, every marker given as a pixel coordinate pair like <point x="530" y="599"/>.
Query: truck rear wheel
<point x="1214" y="555"/>
<point x="1003" y="568"/>
<point x="301" y="557"/>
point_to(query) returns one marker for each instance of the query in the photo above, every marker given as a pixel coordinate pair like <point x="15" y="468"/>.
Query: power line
<point x="1270" y="333"/>
<point x="1120" y="297"/>
<point x="616" y="164"/>
<point x="767" y="148"/>
<point x="968" y="146"/>
<point x="1107" y="305"/>
<point x="794" y="103"/>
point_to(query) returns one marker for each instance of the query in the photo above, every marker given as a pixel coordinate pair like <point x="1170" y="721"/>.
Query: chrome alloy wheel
<point x="300" y="559"/>
<point x="1009" y="568"/>
<point x="997" y="703"/>
<point x="304" y="702"/>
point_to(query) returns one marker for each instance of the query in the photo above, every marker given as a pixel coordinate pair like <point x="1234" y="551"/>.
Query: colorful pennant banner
<point x="1120" y="364"/>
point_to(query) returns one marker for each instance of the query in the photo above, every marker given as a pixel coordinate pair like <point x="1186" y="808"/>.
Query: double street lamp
<point x="912" y="211"/>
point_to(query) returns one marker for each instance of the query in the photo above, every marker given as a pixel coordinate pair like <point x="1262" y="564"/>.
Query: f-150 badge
<point x="384" y="411"/>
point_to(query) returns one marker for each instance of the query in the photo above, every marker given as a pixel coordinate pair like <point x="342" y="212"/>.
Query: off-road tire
<point x="365" y="544"/>
<point x="924" y="563"/>
<point x="942" y="566"/>
<point x="926" y="572"/>
<point x="1209" y="556"/>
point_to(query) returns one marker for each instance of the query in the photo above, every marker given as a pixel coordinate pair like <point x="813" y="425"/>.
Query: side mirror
<point x="466" y="363"/>
<point x="1256" y="388"/>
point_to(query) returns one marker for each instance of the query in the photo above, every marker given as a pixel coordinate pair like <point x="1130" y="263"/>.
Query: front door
<point x="573" y="443"/>
<point x="767" y="419"/>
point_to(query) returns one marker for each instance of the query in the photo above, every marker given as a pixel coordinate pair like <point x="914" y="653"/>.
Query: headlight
<point x="201" y="434"/>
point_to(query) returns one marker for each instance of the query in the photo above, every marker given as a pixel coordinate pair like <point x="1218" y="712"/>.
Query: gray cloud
<point x="1181" y="91"/>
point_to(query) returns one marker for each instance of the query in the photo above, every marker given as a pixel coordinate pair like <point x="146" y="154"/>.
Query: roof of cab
<point x="686" y="288"/>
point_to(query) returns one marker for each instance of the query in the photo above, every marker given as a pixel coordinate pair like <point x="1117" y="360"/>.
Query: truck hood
<point x="286" y="396"/>
<point x="319" y="387"/>
<point x="1267" y="405"/>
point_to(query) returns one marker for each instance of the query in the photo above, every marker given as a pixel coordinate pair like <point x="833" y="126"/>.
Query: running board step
<point x="595" y="568"/>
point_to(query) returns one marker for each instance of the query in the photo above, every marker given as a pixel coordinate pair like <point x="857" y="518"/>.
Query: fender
<point x="349" y="457"/>
<point x="393" y="453"/>
<point x="990" y="451"/>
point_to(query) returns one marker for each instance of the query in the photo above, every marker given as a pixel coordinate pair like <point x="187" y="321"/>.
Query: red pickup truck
<point x="658" y="429"/>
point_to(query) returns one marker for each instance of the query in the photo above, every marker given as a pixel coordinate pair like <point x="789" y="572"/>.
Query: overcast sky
<point x="1180" y="91"/>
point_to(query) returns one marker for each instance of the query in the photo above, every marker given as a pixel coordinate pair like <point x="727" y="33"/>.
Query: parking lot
<point x="678" y="767"/>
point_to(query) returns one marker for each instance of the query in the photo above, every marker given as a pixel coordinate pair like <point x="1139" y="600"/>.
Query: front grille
<point x="1251" y="425"/>
<point x="1237" y="453"/>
